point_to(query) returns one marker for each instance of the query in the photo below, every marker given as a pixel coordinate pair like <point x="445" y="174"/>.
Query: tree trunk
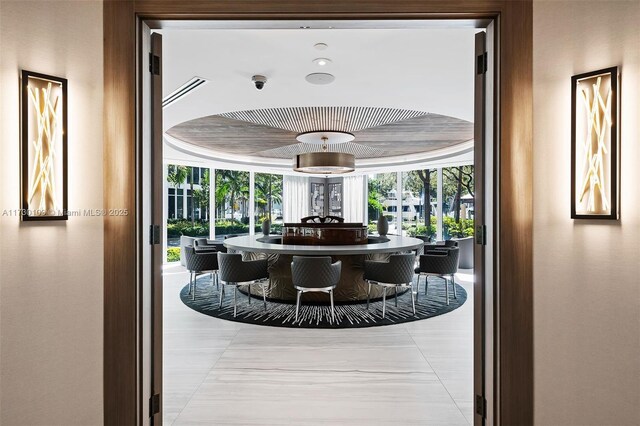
<point x="458" y="195"/>
<point x="193" y="206"/>
<point x="269" y="200"/>
<point x="425" y="177"/>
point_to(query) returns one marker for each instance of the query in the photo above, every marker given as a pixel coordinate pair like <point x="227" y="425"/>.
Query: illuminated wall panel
<point x="594" y="145"/>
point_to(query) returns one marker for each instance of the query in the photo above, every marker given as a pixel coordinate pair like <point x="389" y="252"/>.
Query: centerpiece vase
<point x="266" y="227"/>
<point x="382" y="225"/>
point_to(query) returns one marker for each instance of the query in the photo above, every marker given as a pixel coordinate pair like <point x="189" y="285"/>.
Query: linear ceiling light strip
<point x="183" y="90"/>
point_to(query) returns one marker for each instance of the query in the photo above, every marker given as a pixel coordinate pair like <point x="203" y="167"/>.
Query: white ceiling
<point x="428" y="70"/>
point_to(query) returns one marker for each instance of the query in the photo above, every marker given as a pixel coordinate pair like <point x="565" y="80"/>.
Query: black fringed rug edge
<point x="348" y="315"/>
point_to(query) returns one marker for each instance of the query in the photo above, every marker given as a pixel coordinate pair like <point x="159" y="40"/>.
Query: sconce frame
<point x="44" y="151"/>
<point x="599" y="155"/>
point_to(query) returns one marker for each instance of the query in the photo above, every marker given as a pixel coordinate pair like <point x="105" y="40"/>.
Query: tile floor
<point x="218" y="372"/>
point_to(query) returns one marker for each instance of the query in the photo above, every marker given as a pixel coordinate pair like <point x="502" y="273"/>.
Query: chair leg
<point x="264" y="296"/>
<point x="453" y="284"/>
<point x="368" y="294"/>
<point x="249" y="293"/>
<point x="396" y="296"/>
<point x="235" y="299"/>
<point x="446" y="287"/>
<point x="333" y="314"/>
<point x="217" y="280"/>
<point x="221" y="296"/>
<point x="298" y="304"/>
<point x="417" y="287"/>
<point x="384" y="300"/>
<point x="426" y="285"/>
<point x="195" y="284"/>
<point x="413" y="300"/>
<point x="190" y="282"/>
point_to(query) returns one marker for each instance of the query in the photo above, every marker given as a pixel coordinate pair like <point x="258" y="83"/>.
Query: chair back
<point x="203" y="261"/>
<point x="234" y="270"/>
<point x="402" y="267"/>
<point x="315" y="272"/>
<point x="320" y="219"/>
<point x="442" y="262"/>
<point x="199" y="242"/>
<point x="441" y="245"/>
<point x="398" y="270"/>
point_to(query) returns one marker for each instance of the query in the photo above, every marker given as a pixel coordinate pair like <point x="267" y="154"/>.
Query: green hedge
<point x="276" y="228"/>
<point x="173" y="254"/>
<point x="373" y="227"/>
<point x="451" y="229"/>
<point x="228" y="226"/>
<point x="176" y="228"/>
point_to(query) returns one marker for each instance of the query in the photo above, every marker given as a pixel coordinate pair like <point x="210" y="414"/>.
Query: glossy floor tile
<point x="218" y="372"/>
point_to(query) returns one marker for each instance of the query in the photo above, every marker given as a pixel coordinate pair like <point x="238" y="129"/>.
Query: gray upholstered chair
<point x="397" y="272"/>
<point x="203" y="244"/>
<point x="200" y="263"/>
<point x="441" y="262"/>
<point x="315" y="274"/>
<point x="236" y="272"/>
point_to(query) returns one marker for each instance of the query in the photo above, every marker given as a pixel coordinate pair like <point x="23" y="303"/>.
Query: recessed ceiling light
<point x="322" y="61"/>
<point x="304" y="27"/>
<point x="325" y="137"/>
<point x="320" y="78"/>
<point x="320" y="46"/>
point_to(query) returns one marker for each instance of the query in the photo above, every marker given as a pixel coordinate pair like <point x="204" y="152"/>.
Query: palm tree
<point x="193" y="204"/>
<point x="268" y="191"/>
<point x="201" y="196"/>
<point x="176" y="175"/>
<point x="223" y="179"/>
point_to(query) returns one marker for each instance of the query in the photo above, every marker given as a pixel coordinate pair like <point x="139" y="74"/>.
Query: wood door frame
<point x="513" y="399"/>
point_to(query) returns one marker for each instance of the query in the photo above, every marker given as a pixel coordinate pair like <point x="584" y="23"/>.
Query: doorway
<point x="436" y="355"/>
<point x="107" y="265"/>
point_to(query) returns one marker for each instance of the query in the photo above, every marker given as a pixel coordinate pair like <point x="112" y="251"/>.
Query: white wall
<point x="586" y="273"/>
<point x="51" y="273"/>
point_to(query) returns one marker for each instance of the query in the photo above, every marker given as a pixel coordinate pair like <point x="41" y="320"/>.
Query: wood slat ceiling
<point x="271" y="133"/>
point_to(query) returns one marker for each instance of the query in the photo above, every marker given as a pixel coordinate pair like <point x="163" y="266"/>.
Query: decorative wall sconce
<point x="594" y="145"/>
<point x="44" y="147"/>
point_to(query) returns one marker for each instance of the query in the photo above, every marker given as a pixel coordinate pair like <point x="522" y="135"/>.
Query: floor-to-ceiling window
<point x="382" y="200"/>
<point x="419" y="202"/>
<point x="458" y="193"/>
<point x="268" y="201"/>
<point x="436" y="203"/>
<point x="187" y="205"/>
<point x="231" y="202"/>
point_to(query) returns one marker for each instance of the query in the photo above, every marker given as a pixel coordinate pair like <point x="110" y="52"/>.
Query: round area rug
<point x="348" y="315"/>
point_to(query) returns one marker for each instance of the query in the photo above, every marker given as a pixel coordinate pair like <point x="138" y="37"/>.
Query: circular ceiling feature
<point x="322" y="137"/>
<point x="320" y="78"/>
<point x="321" y="62"/>
<point x="320" y="46"/>
<point x="274" y="135"/>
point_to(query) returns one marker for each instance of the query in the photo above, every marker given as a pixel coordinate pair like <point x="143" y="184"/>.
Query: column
<point x="212" y="203"/>
<point x="398" y="203"/>
<point x="165" y="211"/>
<point x="252" y="203"/>
<point x="439" y="211"/>
<point x="185" y="213"/>
<point x="365" y="191"/>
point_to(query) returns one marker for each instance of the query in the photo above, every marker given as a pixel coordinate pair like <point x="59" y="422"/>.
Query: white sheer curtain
<point x="295" y="198"/>
<point x="353" y="198"/>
